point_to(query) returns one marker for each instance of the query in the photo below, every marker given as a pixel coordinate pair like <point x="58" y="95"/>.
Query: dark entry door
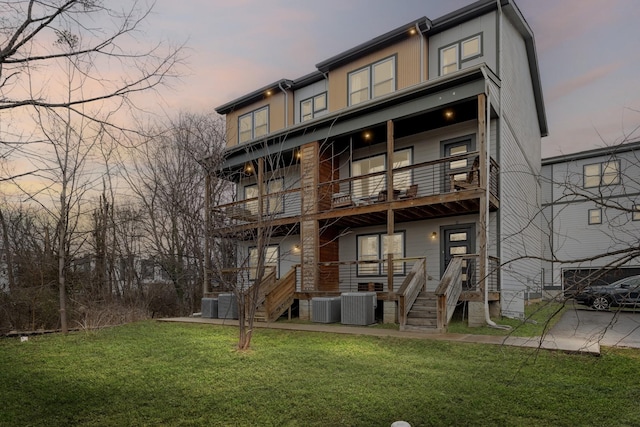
<point x="454" y="148"/>
<point x="459" y="240"/>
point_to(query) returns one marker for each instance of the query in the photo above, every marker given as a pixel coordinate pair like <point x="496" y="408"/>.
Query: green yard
<point x="152" y="373"/>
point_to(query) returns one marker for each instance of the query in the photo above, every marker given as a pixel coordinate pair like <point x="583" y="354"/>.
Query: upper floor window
<point x="452" y="56"/>
<point x="273" y="202"/>
<point x="605" y="173"/>
<point x="372" y="81"/>
<point x="253" y="125"/>
<point x="595" y="216"/>
<point x="312" y="106"/>
<point x="370" y="186"/>
<point x="635" y="214"/>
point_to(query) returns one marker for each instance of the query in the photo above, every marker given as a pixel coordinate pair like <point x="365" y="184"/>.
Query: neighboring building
<point x="591" y="204"/>
<point x="449" y="113"/>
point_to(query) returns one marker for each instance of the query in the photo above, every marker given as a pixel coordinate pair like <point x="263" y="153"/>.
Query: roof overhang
<point x="254" y="96"/>
<point x="601" y="151"/>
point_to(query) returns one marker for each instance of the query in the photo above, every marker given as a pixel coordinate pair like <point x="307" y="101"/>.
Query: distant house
<point x="407" y="166"/>
<point x="591" y="203"/>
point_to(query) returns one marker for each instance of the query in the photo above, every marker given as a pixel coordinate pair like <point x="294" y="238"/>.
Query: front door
<point x="459" y="240"/>
<point x="456" y="147"/>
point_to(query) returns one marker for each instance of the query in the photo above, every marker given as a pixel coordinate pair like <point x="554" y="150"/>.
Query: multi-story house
<point x="591" y="202"/>
<point x="407" y="165"/>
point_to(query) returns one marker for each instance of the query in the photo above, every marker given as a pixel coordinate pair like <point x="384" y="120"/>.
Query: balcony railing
<point x="443" y="176"/>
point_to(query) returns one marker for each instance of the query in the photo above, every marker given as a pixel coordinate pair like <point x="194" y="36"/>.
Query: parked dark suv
<point x="623" y="293"/>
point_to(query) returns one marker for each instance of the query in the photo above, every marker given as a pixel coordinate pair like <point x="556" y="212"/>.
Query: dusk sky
<point x="587" y="51"/>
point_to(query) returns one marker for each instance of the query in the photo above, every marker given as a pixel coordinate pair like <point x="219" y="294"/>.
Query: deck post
<point x="390" y="196"/>
<point x="483" y="217"/>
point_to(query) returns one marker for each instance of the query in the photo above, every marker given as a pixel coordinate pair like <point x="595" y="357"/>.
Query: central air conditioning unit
<point x="358" y="308"/>
<point x="325" y="309"/>
<point x="209" y="308"/>
<point x="227" y="306"/>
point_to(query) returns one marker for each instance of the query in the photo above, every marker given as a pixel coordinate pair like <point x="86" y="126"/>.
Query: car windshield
<point x="628" y="282"/>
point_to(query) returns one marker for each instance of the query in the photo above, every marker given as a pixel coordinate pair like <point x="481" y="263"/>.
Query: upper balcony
<point x="437" y="188"/>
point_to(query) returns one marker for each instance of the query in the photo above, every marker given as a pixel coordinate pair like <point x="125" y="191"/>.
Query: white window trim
<point x="457" y="63"/>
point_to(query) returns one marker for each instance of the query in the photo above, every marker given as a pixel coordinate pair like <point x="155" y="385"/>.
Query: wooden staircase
<point x="429" y="311"/>
<point x="423" y="313"/>
<point x="275" y="296"/>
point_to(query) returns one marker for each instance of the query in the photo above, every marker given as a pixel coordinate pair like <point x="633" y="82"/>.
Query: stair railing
<point x="276" y="296"/>
<point x="448" y="291"/>
<point x="413" y="284"/>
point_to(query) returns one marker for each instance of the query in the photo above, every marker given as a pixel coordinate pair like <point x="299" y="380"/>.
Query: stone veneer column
<point x="309" y="163"/>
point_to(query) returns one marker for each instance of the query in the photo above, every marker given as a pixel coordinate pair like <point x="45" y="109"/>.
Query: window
<point x="309" y="108"/>
<point x="383" y="78"/>
<point x="253" y="125"/>
<point x="470" y="48"/>
<point x="452" y="56"/>
<point x="449" y="60"/>
<point x="372" y="81"/>
<point x="273" y="203"/>
<point x="595" y="216"/>
<point x="635" y="215"/>
<point x="402" y="180"/>
<point x="251" y="192"/>
<point x="599" y="174"/>
<point x="393" y="245"/>
<point x="271" y="259"/>
<point x="372" y="185"/>
<point x="373" y="247"/>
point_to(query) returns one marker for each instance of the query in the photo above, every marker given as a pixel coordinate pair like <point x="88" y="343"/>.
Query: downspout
<point x="421" y="52"/>
<point x="487" y="316"/>
<point x="487" y="171"/>
<point x="428" y="27"/>
<point x="286" y="104"/>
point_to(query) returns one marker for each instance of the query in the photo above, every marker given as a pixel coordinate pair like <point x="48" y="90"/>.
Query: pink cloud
<point x="569" y="86"/>
<point x="566" y="20"/>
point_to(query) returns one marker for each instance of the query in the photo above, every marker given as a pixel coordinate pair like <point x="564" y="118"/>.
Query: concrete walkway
<point x="550" y="342"/>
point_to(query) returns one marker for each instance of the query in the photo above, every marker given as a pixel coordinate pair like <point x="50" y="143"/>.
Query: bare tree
<point x="72" y="65"/>
<point x="169" y="186"/>
<point x="36" y="37"/>
<point x="245" y="233"/>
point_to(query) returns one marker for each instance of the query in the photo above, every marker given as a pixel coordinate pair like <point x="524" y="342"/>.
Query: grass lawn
<point x="167" y="374"/>
<point x="540" y="317"/>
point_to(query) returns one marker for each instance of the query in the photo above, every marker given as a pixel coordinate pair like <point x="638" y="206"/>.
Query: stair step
<point x="422" y="315"/>
<point x="429" y="304"/>
<point x="422" y="322"/>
